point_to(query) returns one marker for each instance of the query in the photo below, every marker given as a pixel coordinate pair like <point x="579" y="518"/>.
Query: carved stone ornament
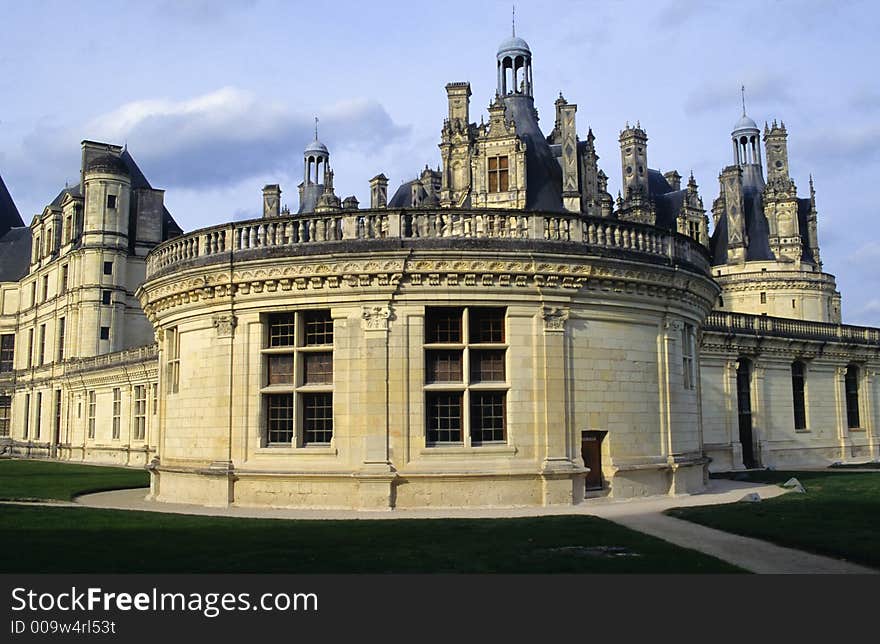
<point x="554" y="318"/>
<point x="225" y="323"/>
<point x="673" y="325"/>
<point x="160" y="335"/>
<point x="376" y="318"/>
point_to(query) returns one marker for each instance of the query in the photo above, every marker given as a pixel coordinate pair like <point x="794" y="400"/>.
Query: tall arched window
<point x="851" y="384"/>
<point x="797" y="389"/>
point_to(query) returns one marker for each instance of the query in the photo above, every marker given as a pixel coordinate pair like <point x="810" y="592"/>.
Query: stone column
<point x="375" y="476"/>
<point x="562" y="478"/>
<point x="843" y="439"/>
<point x="759" y="413"/>
<point x="732" y="416"/>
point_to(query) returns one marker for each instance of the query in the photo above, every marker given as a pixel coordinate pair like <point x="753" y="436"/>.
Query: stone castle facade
<point x="499" y="331"/>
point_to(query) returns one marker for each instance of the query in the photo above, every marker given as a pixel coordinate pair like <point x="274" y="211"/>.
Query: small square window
<point x="105" y="297"/>
<point x="281" y="330"/>
<point x="281" y="369"/>
<point x="105" y="332"/>
<point x="442" y="325"/>
<point x="111" y="201"/>
<point x="487" y="366"/>
<point x="108" y="268"/>
<point x="443" y="366"/>
<point x="319" y="328"/>
<point x="318" y="368"/>
<point x="487" y="325"/>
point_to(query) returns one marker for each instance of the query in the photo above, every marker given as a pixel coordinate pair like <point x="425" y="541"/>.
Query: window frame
<point x="5" y="415"/>
<point x="688" y="356"/>
<point x="7" y="352"/>
<point x="473" y="344"/>
<point x="172" y="360"/>
<point x="299" y="340"/>
<point x="799" y="394"/>
<point x="139" y="431"/>
<point x="116" y="432"/>
<point x="91" y="413"/>
<point x="498" y="177"/>
<point x="852" y="396"/>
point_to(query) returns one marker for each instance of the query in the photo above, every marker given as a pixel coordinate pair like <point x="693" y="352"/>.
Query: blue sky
<point x="216" y="99"/>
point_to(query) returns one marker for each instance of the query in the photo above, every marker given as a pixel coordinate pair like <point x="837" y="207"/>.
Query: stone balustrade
<point x="746" y="324"/>
<point x="325" y="228"/>
<point x="138" y="354"/>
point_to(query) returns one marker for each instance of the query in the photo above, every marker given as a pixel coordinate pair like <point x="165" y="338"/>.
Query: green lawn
<point x="81" y="540"/>
<point x="44" y="480"/>
<point x="839" y="516"/>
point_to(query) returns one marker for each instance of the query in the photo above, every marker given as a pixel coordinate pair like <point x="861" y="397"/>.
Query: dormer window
<point x="498" y="179"/>
<point x="111" y="201"/>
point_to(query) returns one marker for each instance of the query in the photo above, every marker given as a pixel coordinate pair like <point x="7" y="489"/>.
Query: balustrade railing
<point x="425" y="224"/>
<point x="743" y="323"/>
<point x="137" y="354"/>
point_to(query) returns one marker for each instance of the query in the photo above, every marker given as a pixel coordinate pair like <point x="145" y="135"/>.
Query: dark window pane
<point x="317" y="418"/>
<point x="442" y="325"/>
<point x="282" y="330"/>
<point x="487" y="416"/>
<point x="797" y="387"/>
<point x="444" y="417"/>
<point x="443" y="366"/>
<point x="319" y="328"/>
<point x="281" y="369"/>
<point x="317" y="368"/>
<point x="7" y="351"/>
<point x="280" y="418"/>
<point x="487" y="366"/>
<point x="853" y="420"/>
<point x="486" y="325"/>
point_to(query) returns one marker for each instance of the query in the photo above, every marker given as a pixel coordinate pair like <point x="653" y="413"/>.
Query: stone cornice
<point x="403" y="270"/>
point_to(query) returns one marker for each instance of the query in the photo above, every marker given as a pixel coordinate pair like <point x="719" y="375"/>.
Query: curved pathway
<point x="644" y="515"/>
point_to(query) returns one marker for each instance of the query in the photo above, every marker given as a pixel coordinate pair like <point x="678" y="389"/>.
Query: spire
<point x="513" y="22"/>
<point x="316" y="128"/>
<point x="743" y="91"/>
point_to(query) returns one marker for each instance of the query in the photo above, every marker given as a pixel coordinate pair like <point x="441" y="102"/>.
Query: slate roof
<point x="758" y="231"/>
<point x="9" y="216"/>
<point x="15" y="254"/>
<point x="543" y="174"/>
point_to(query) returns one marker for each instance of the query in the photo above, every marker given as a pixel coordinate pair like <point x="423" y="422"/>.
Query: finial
<point x="513" y="22"/>
<point x="316" y="128"/>
<point x="742" y="89"/>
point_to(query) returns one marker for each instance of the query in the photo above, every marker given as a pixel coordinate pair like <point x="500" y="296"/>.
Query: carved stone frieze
<point x="554" y="318"/>
<point x="377" y="318"/>
<point x="225" y="324"/>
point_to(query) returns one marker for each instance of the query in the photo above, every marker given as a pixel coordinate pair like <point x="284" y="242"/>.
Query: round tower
<point x="746" y="139"/>
<point x="107" y="194"/>
<point x="316" y="170"/>
<point x="514" y="61"/>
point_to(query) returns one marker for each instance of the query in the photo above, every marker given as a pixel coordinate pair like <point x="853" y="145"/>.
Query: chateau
<point x="499" y="331"/>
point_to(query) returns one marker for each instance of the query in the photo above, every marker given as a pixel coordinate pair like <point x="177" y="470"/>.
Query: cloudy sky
<point x="216" y="99"/>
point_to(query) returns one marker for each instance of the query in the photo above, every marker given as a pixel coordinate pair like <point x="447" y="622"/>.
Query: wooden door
<point x="591" y="451"/>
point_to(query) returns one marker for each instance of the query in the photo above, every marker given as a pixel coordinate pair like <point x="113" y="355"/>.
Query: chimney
<point x="272" y="200"/>
<point x="379" y="191"/>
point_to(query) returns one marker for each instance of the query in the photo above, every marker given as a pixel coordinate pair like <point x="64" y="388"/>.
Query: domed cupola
<point x="746" y="139"/>
<point x="514" y="66"/>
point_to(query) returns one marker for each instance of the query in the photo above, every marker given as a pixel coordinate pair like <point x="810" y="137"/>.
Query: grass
<point x="47" y="480"/>
<point x="839" y="516"/>
<point x="114" y="541"/>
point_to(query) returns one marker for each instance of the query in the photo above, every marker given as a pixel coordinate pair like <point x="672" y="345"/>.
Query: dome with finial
<point x="514" y="46"/>
<point x="745" y="124"/>
<point x="316" y="146"/>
